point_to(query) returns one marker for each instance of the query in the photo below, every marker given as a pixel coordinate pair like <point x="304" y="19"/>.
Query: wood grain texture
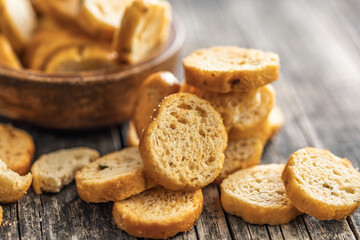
<point x="318" y="91"/>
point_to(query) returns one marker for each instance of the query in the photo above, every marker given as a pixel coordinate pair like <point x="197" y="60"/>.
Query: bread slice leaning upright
<point x="183" y="147"/>
<point x="12" y="185"/>
<point x="322" y="184"/>
<point x="158" y="213"/>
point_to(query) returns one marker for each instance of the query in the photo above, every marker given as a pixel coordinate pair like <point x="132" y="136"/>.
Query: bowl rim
<point x="102" y="75"/>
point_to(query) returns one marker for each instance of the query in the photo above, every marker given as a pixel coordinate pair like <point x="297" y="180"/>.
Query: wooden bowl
<point x="81" y="100"/>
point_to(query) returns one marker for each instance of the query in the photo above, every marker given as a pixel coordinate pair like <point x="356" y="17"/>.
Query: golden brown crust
<point x="258" y="196"/>
<point x="139" y="226"/>
<point x="17" y="148"/>
<point x="229" y="68"/>
<point x="321" y="184"/>
<point x="7" y="54"/>
<point x="132" y="137"/>
<point x="151" y="93"/>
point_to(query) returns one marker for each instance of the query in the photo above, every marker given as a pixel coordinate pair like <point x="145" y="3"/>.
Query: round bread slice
<point x="17" y="21"/>
<point x="240" y="154"/>
<point x="12" y="185"/>
<point x="229" y="68"/>
<point x="16" y="148"/>
<point x="52" y="171"/>
<point x="132" y="137"/>
<point x="242" y="111"/>
<point x="158" y="213"/>
<point x="113" y="177"/>
<point x="183" y="147"/>
<point x="7" y="55"/>
<point x="151" y="93"/>
<point x="257" y="195"/>
<point x="322" y="184"/>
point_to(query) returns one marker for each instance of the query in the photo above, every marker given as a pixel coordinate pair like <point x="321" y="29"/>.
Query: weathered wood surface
<point x="319" y="46"/>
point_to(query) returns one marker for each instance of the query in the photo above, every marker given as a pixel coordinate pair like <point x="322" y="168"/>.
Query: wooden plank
<point x="9" y="226"/>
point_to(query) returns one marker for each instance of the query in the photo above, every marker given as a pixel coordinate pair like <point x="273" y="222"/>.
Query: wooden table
<point x="319" y="46"/>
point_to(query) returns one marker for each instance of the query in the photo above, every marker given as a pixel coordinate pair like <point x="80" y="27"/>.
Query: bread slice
<point x="52" y="171"/>
<point x="7" y="55"/>
<point x="113" y="177"/>
<point x="63" y="11"/>
<point x="101" y="18"/>
<point x="80" y="58"/>
<point x="158" y="213"/>
<point x="132" y="137"/>
<point x="264" y="130"/>
<point x="242" y="111"/>
<point x="321" y="184"/>
<point x="1" y="215"/>
<point x="16" y="148"/>
<point x="240" y="154"/>
<point x="12" y="185"/>
<point x="17" y="21"/>
<point x="151" y="93"/>
<point x="183" y="147"/>
<point x="257" y="195"/>
<point x="229" y="68"/>
<point x="144" y="27"/>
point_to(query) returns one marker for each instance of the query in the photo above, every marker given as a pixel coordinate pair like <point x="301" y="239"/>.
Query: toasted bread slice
<point x="240" y="154"/>
<point x="1" y="215"/>
<point x="264" y="130"/>
<point x="52" y="171"/>
<point x="80" y="58"/>
<point x="16" y="148"/>
<point x="321" y="184"/>
<point x="229" y="68"/>
<point x="12" y="185"/>
<point x="158" y="213"/>
<point x="242" y="111"/>
<point x="132" y="137"/>
<point x="101" y="18"/>
<point x="7" y="55"/>
<point x="17" y="21"/>
<point x="144" y="27"/>
<point x="183" y="147"/>
<point x="113" y="177"/>
<point x="258" y="195"/>
<point x="151" y="93"/>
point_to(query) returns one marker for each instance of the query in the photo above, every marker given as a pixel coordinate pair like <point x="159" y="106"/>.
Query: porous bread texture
<point x="151" y="93"/>
<point x="158" y="213"/>
<point x="322" y="184"/>
<point x="264" y="130"/>
<point x="7" y="55"/>
<point x="17" y="22"/>
<point x="132" y="137"/>
<point x="258" y="195"/>
<point x="113" y="177"/>
<point x="144" y="28"/>
<point x="12" y="185"/>
<point x="1" y="215"/>
<point x="242" y="111"/>
<point x="16" y="148"/>
<point x="183" y="147"/>
<point x="52" y="171"/>
<point x="240" y="154"/>
<point x="230" y="68"/>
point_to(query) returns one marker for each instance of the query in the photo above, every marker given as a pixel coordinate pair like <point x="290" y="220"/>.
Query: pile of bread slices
<point x="211" y="129"/>
<point x="74" y="35"/>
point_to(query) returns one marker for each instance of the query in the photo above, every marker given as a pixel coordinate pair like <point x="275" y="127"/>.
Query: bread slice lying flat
<point x="230" y="68"/>
<point x="16" y="148"/>
<point x="113" y="177"/>
<point x="144" y="27"/>
<point x="17" y="22"/>
<point x="240" y="154"/>
<point x="242" y="111"/>
<point x="158" y="213"/>
<point x="258" y="195"/>
<point x="151" y="93"/>
<point x="12" y="185"/>
<point x="7" y="55"/>
<point x="52" y="171"/>
<point x="183" y="147"/>
<point x="322" y="184"/>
